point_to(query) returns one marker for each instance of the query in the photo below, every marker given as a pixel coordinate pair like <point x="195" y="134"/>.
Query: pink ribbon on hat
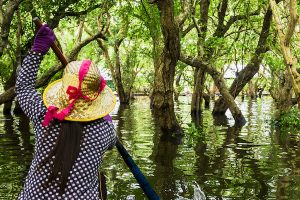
<point x="74" y="94"/>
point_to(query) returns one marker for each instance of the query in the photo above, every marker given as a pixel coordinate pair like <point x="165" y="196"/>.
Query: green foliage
<point x="289" y="119"/>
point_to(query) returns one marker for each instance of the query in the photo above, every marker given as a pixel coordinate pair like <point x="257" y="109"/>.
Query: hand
<point x="43" y="39"/>
<point x="108" y="118"/>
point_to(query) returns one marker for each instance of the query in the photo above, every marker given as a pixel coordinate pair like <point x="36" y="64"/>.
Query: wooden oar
<point x="54" y="47"/>
<point x="139" y="176"/>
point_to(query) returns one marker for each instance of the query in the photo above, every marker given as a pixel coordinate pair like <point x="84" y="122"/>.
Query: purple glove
<point x="43" y="40"/>
<point x="108" y="118"/>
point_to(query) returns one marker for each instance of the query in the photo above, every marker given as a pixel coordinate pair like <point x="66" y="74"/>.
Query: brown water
<point x="253" y="162"/>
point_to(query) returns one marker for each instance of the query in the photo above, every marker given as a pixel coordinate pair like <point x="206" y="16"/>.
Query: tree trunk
<point x="123" y="97"/>
<point x="199" y="74"/>
<point x="164" y="64"/>
<point x="115" y="66"/>
<point x="17" y="109"/>
<point x="251" y="90"/>
<point x="178" y="89"/>
<point x="251" y="69"/>
<point x="8" y="84"/>
<point x="206" y="100"/>
<point x="282" y="95"/>
<point x="6" y="19"/>
<point x="197" y="97"/>
<point x="284" y="38"/>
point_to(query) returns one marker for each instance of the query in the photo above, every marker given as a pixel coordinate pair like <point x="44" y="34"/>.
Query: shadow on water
<point x="257" y="161"/>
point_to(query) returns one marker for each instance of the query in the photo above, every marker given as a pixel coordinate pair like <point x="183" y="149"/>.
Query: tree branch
<point x="235" y="18"/>
<point x="293" y="20"/>
<point x="222" y="7"/>
<point x="187" y="7"/>
<point x="83" y="12"/>
<point x="187" y="30"/>
<point x="9" y="94"/>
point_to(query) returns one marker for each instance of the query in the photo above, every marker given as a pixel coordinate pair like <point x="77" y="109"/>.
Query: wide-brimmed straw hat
<point x="81" y="94"/>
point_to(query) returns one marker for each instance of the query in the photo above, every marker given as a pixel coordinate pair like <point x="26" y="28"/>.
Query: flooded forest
<point x="208" y="92"/>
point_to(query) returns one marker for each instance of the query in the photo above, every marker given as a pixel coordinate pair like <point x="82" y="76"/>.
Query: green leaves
<point x="289" y="119"/>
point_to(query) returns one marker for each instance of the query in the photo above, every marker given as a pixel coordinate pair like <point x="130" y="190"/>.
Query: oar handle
<point x="54" y="47"/>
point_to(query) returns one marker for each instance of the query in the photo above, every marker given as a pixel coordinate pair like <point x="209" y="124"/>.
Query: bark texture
<point x="164" y="64"/>
<point x="6" y="19"/>
<point x="284" y="41"/>
<point x="199" y="74"/>
<point x="282" y="93"/>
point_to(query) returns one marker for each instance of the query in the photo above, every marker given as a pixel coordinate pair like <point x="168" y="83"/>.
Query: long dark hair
<point x="65" y="152"/>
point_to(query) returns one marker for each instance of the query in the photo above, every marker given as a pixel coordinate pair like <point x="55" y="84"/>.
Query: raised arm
<point x="29" y="99"/>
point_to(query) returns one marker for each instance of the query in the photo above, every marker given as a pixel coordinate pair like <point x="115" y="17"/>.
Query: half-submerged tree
<point x="284" y="38"/>
<point x="165" y="60"/>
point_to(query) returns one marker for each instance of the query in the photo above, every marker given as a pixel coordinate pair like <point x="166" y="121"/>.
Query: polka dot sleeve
<point x="29" y="99"/>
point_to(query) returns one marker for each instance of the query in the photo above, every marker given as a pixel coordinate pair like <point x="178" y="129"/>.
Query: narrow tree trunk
<point x="165" y="63"/>
<point x="282" y="95"/>
<point x="206" y="100"/>
<point x="123" y="97"/>
<point x="115" y="67"/>
<point x="6" y="19"/>
<point x="251" y="90"/>
<point x="197" y="97"/>
<point x="9" y="83"/>
<point x="178" y="89"/>
<point x="199" y="74"/>
<point x="17" y="109"/>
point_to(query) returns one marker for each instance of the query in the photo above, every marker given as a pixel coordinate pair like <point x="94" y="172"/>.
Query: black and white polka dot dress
<point x="98" y="137"/>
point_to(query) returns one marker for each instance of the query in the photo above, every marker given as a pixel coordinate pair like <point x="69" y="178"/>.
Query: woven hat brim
<point x="83" y="110"/>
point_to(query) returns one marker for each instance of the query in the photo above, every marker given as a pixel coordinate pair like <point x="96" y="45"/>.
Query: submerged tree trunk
<point x="123" y="96"/>
<point x="178" y="89"/>
<point x="282" y="94"/>
<point x="164" y="64"/>
<point x="251" y="69"/>
<point x="9" y="83"/>
<point x="251" y="90"/>
<point x="197" y="97"/>
<point x="15" y="63"/>
<point x="115" y="65"/>
<point x="199" y="74"/>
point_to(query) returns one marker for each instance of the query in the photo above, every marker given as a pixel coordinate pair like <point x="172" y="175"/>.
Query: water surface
<point x="256" y="161"/>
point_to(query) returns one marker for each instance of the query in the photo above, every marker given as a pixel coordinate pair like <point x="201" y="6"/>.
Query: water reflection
<point x="164" y="152"/>
<point x="257" y="161"/>
<point x="15" y="154"/>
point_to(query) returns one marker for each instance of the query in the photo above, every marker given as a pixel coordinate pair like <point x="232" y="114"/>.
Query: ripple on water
<point x="228" y="162"/>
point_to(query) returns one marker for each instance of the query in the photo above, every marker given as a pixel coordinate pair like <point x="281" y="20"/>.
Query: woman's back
<point x="82" y="183"/>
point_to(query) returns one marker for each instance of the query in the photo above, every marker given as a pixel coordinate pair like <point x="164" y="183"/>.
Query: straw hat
<point x="79" y="100"/>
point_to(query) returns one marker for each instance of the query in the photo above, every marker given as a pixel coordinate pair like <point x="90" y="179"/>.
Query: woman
<point x="71" y="135"/>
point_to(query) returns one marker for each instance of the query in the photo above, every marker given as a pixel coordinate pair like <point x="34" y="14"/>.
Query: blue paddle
<point x="139" y="176"/>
